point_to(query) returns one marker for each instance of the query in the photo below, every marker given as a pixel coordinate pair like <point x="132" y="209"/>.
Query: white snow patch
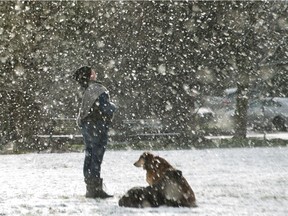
<point x="250" y="181"/>
<point x="162" y="69"/>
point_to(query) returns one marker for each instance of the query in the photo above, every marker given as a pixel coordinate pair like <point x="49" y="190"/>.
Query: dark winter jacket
<point x="96" y="105"/>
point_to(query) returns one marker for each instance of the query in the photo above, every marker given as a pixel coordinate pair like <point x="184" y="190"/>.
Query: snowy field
<point x="248" y="181"/>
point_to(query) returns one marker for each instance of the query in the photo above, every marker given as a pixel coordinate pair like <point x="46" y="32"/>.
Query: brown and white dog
<point x="167" y="186"/>
<point x="155" y="167"/>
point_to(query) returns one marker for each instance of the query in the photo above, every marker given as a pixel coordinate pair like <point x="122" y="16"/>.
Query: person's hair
<point x="82" y="75"/>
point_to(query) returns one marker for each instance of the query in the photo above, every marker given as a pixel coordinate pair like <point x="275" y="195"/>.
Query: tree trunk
<point x="241" y="112"/>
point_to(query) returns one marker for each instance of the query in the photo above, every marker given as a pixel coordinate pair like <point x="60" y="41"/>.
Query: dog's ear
<point x="148" y="156"/>
<point x="179" y="173"/>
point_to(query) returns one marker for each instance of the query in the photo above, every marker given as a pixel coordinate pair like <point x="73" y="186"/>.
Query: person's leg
<point x="87" y="163"/>
<point x="97" y="152"/>
<point x="98" y="148"/>
<point x="95" y="137"/>
<point x="88" y="141"/>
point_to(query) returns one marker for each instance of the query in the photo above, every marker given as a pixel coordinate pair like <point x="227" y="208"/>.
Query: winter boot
<point x="94" y="189"/>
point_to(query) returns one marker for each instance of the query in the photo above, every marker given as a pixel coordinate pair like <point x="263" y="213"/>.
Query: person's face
<point x="93" y="75"/>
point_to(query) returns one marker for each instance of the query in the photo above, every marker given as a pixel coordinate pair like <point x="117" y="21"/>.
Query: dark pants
<point x="95" y="135"/>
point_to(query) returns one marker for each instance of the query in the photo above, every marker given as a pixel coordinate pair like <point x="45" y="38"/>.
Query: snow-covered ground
<point x="248" y="181"/>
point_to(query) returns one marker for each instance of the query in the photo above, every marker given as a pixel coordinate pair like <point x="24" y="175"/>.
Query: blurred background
<point x="187" y="69"/>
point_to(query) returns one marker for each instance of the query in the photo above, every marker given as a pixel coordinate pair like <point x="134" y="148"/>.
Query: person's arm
<point x="105" y="106"/>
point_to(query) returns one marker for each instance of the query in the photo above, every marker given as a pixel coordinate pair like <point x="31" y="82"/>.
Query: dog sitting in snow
<point x="167" y="186"/>
<point x="155" y="167"/>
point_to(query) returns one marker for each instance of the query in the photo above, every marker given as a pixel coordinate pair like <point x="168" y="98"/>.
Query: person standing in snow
<point x="95" y="116"/>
